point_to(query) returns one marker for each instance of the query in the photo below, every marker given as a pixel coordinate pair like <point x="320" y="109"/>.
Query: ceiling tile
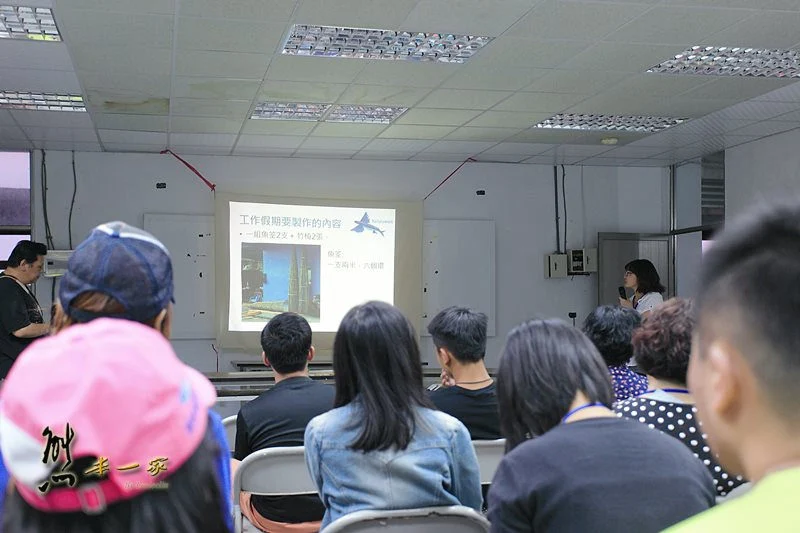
<point x="130" y="147"/>
<point x="52" y="119"/>
<point x="620" y="57"/>
<point x="384" y="156"/>
<point x="580" y="150"/>
<point x="786" y="94"/>
<point x="540" y="160"/>
<point x="506" y="78"/>
<point x="132" y="29"/>
<point x="68" y="146"/>
<point x="690" y="107"/>
<point x="416" y="132"/>
<point x="539" y="102"/>
<point x="545" y="137"/>
<point x="487" y="158"/>
<point x="383" y="95"/>
<point x="358" y="131"/>
<point x="269" y="141"/>
<point x="471" y="17"/>
<point x="205" y="125"/>
<point x="263" y="152"/>
<point x="333" y="143"/>
<point x="11" y="133"/>
<point x="46" y="133"/>
<point x="314" y="69"/>
<point x="125" y="102"/>
<point x="130" y="122"/>
<point x="524" y="53"/>
<point x="514" y="148"/>
<point x="382" y="14"/>
<point x="406" y="73"/>
<point x="576" y="81"/>
<point x="765" y="128"/>
<point x="23" y="54"/>
<point x="134" y="85"/>
<point x="437" y="117"/>
<point x="757" y="110"/>
<point x="203" y="139"/>
<point x="794" y="116"/>
<point x="682" y="26"/>
<point x="606" y="162"/>
<point x="278" y="127"/>
<point x="657" y="85"/>
<point x="133" y="137"/>
<point x="58" y="81"/>
<point x="211" y="64"/>
<point x="784" y="5"/>
<point x="221" y="35"/>
<point x="555" y="19"/>
<point x="650" y="163"/>
<point x="6" y="119"/>
<point x="769" y="30"/>
<point x="13" y="145"/>
<point x="293" y="91"/>
<point x="463" y="99"/>
<point x="123" y="59"/>
<point x="159" y="7"/>
<point x="507" y="119"/>
<point x="214" y="88"/>
<point x="636" y="152"/>
<point x="612" y="103"/>
<point x="196" y="107"/>
<point x="185" y="149"/>
<point x="397" y="145"/>
<point x="252" y="10"/>
<point x="482" y="134"/>
<point x="459" y="147"/>
<point x="737" y="88"/>
<point x="440" y="156"/>
<point x="324" y="154"/>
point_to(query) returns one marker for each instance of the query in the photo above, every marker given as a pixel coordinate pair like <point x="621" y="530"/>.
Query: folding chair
<point x="456" y="519"/>
<point x="229" y="423"/>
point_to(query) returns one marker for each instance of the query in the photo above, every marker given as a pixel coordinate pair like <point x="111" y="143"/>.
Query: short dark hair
<point x="746" y="295"/>
<point x="662" y="345"/>
<point x="461" y="331"/>
<point x="543" y="366"/>
<point x="610" y="328"/>
<point x="376" y="357"/>
<point x="28" y="251"/>
<point x="646" y="276"/>
<point x="286" y="340"/>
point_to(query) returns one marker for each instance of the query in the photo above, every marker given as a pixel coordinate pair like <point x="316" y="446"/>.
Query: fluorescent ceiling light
<point x="41" y="101"/>
<point x="733" y="61"/>
<point x="635" y="124"/>
<point x="361" y="43"/>
<point x="290" y="111"/>
<point x="32" y="23"/>
<point x="372" y="114"/>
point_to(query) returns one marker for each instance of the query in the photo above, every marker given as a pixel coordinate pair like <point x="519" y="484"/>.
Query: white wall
<point x="518" y="197"/>
<point x="767" y="168"/>
<point x="688" y="214"/>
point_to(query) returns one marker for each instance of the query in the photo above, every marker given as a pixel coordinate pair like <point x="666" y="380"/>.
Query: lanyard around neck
<point x="673" y="391"/>
<point x="27" y="290"/>
<point x="581" y="408"/>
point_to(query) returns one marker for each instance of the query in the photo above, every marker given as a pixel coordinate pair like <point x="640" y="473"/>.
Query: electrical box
<point x="555" y="266"/>
<point x="55" y="263"/>
<point x="582" y="261"/>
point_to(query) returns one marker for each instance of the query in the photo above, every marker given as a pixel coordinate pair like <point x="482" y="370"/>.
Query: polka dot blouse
<point x="680" y="421"/>
<point x="627" y="383"/>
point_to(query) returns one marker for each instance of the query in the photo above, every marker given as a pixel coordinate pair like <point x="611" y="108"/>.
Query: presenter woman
<point x="642" y="277"/>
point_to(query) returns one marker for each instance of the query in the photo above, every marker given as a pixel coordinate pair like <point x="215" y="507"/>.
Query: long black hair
<point x="647" y="278"/>
<point x="544" y="364"/>
<point x="191" y="503"/>
<point x="376" y="358"/>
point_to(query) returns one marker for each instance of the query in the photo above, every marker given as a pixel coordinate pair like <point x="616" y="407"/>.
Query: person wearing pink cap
<point x="104" y="429"/>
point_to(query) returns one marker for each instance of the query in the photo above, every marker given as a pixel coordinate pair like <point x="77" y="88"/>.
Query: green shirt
<point x="771" y="505"/>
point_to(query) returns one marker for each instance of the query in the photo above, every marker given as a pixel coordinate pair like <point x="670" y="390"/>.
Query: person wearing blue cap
<point x="123" y="272"/>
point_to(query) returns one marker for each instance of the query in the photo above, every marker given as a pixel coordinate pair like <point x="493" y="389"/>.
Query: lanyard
<point x="581" y="408"/>
<point x="674" y="391"/>
<point x="27" y="290"/>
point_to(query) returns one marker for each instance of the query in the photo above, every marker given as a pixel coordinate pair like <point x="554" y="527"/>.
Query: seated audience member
<point x="121" y="271"/>
<point x="571" y="463"/>
<point x="278" y="417"/>
<point x="105" y="430"/>
<point x="383" y="447"/>
<point x="662" y="347"/>
<point x="745" y="368"/>
<point x="610" y="327"/>
<point x="469" y="393"/>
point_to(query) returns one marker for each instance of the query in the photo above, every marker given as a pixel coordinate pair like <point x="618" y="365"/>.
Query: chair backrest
<point x="490" y="453"/>
<point x="229" y="423"/>
<point x="271" y="472"/>
<point x="456" y="519"/>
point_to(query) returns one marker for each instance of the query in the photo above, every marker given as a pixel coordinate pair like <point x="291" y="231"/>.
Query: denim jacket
<point x="439" y="466"/>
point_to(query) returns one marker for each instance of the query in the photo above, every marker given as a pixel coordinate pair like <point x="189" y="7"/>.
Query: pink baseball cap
<point x="126" y="397"/>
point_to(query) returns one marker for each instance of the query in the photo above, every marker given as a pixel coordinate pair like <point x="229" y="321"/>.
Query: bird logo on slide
<point x="364" y="223"/>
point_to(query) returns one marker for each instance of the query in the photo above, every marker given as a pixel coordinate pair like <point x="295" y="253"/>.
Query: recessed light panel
<point x="364" y="113"/>
<point x="41" y="101"/>
<point x="290" y="111"/>
<point x="361" y="43"/>
<point x="30" y="23"/>
<point x="635" y="124"/>
<point x="733" y="61"/>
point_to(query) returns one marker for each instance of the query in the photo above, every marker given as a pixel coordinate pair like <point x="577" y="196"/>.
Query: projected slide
<point x="312" y="260"/>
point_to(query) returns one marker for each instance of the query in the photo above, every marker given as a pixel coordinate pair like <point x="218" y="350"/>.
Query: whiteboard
<point x="458" y="262"/>
<point x="190" y="241"/>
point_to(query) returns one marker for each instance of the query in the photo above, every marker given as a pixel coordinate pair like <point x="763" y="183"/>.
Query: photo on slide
<point x="280" y="277"/>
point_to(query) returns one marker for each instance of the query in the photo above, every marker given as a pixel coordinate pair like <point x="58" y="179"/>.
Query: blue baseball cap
<point x="123" y="262"/>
